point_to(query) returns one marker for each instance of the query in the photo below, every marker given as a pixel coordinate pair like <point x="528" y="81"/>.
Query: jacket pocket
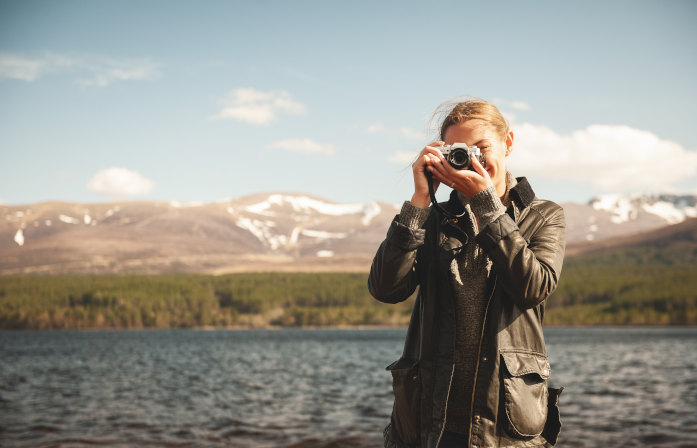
<point x="406" y="385"/>
<point x="525" y="390"/>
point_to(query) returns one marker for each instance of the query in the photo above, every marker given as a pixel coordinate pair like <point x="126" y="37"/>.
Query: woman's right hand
<point x="428" y="156"/>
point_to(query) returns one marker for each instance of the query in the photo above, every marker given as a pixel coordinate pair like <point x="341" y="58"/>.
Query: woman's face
<point x="481" y="134"/>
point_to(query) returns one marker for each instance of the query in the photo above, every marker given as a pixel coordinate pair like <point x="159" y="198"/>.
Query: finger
<point x="422" y="160"/>
<point x="450" y="170"/>
<point x="478" y="168"/>
<point x="434" y="151"/>
<point x="441" y="167"/>
<point x="445" y="180"/>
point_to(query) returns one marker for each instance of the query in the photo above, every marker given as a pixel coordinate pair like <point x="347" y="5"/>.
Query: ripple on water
<point x="312" y="388"/>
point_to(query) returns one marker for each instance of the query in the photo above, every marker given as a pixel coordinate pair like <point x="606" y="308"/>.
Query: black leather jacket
<point x="511" y="405"/>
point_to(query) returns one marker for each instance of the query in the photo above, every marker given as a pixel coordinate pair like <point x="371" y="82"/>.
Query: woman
<point x="474" y="369"/>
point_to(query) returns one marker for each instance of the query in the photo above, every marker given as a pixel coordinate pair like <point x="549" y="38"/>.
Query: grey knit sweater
<point x="469" y="272"/>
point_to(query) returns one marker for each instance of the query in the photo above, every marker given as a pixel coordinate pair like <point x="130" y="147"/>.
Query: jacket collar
<point x="522" y="193"/>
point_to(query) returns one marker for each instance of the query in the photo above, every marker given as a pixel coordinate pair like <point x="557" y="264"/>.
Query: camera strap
<point x="436" y="205"/>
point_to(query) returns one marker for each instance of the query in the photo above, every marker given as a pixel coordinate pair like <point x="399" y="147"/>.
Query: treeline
<point x="607" y="294"/>
<point x="592" y="291"/>
<point x="651" y="284"/>
<point x="173" y="301"/>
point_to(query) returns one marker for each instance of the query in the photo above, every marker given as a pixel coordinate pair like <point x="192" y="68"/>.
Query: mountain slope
<point x="263" y="232"/>
<point x="612" y="216"/>
<point x="649" y="278"/>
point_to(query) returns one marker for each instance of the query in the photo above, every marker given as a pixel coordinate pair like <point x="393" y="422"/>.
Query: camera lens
<point x="459" y="158"/>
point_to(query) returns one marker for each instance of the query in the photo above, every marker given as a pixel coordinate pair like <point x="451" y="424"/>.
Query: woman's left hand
<point x="467" y="182"/>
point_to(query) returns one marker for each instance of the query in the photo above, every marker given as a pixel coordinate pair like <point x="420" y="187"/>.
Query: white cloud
<point x="411" y="134"/>
<point x="21" y="68"/>
<point x="519" y="105"/>
<point x="376" y="128"/>
<point x="119" y="182"/>
<point x="303" y="146"/>
<point x="107" y="71"/>
<point x="258" y="107"/>
<point x="91" y="70"/>
<point x="610" y="158"/>
<point x="506" y="107"/>
<point x="379" y="128"/>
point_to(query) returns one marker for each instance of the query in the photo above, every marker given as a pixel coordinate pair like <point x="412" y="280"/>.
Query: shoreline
<point x="327" y="327"/>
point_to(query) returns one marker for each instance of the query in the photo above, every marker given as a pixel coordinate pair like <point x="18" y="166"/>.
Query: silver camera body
<point x="458" y="155"/>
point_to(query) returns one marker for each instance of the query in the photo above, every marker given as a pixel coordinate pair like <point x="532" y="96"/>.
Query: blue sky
<point x="189" y="101"/>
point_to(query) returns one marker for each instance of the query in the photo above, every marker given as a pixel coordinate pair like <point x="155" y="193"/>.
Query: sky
<point x="201" y="101"/>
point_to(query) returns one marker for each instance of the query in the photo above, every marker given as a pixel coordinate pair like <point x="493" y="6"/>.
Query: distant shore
<point x="588" y="295"/>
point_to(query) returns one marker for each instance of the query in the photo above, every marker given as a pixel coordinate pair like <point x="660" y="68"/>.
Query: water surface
<point x="312" y="388"/>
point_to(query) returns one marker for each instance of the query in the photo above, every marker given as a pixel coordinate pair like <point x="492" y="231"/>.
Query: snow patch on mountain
<point x="370" y="210"/>
<point x="263" y="231"/>
<point x="68" y="219"/>
<point x="323" y="235"/>
<point x="672" y="209"/>
<point x="620" y="206"/>
<point x="308" y="205"/>
<point x="19" y="237"/>
<point x="179" y="204"/>
<point x="666" y="210"/>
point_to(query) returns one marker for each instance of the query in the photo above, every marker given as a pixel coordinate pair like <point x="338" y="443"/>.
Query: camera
<point x="458" y="155"/>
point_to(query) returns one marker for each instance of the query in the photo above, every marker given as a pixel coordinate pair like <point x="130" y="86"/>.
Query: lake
<point x="307" y="388"/>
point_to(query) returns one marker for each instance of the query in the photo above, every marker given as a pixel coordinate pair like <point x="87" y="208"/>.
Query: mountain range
<point x="265" y="232"/>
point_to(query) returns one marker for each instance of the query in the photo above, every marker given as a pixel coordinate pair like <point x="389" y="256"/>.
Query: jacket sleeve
<point x="528" y="271"/>
<point x="392" y="275"/>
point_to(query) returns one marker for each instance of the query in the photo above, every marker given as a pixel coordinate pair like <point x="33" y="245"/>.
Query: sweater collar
<point x="519" y="193"/>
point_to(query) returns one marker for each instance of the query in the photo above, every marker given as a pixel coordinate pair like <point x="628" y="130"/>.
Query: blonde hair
<point x="461" y="109"/>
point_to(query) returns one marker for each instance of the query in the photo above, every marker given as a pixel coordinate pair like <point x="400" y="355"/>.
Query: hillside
<point x="650" y="279"/>
<point x="260" y="233"/>
<point x="256" y="233"/>
<point x="665" y="245"/>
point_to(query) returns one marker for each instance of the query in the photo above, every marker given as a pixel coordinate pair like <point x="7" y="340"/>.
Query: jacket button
<point x="477" y="418"/>
<point x="484" y="359"/>
<point x="414" y="378"/>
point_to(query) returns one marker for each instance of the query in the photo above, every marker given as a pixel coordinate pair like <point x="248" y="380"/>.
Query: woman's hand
<point x="467" y="182"/>
<point x="428" y="157"/>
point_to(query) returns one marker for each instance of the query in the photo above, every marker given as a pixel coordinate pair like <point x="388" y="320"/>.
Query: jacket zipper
<point x="445" y="411"/>
<point x="476" y="371"/>
<point x="476" y="368"/>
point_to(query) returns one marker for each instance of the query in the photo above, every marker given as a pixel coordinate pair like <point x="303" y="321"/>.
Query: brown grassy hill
<point x="678" y="236"/>
<point x="262" y="232"/>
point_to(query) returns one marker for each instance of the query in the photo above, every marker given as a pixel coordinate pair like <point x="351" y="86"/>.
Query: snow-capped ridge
<point x="279" y="220"/>
<point x="671" y="208"/>
<point x="307" y="205"/>
<point x="265" y="231"/>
